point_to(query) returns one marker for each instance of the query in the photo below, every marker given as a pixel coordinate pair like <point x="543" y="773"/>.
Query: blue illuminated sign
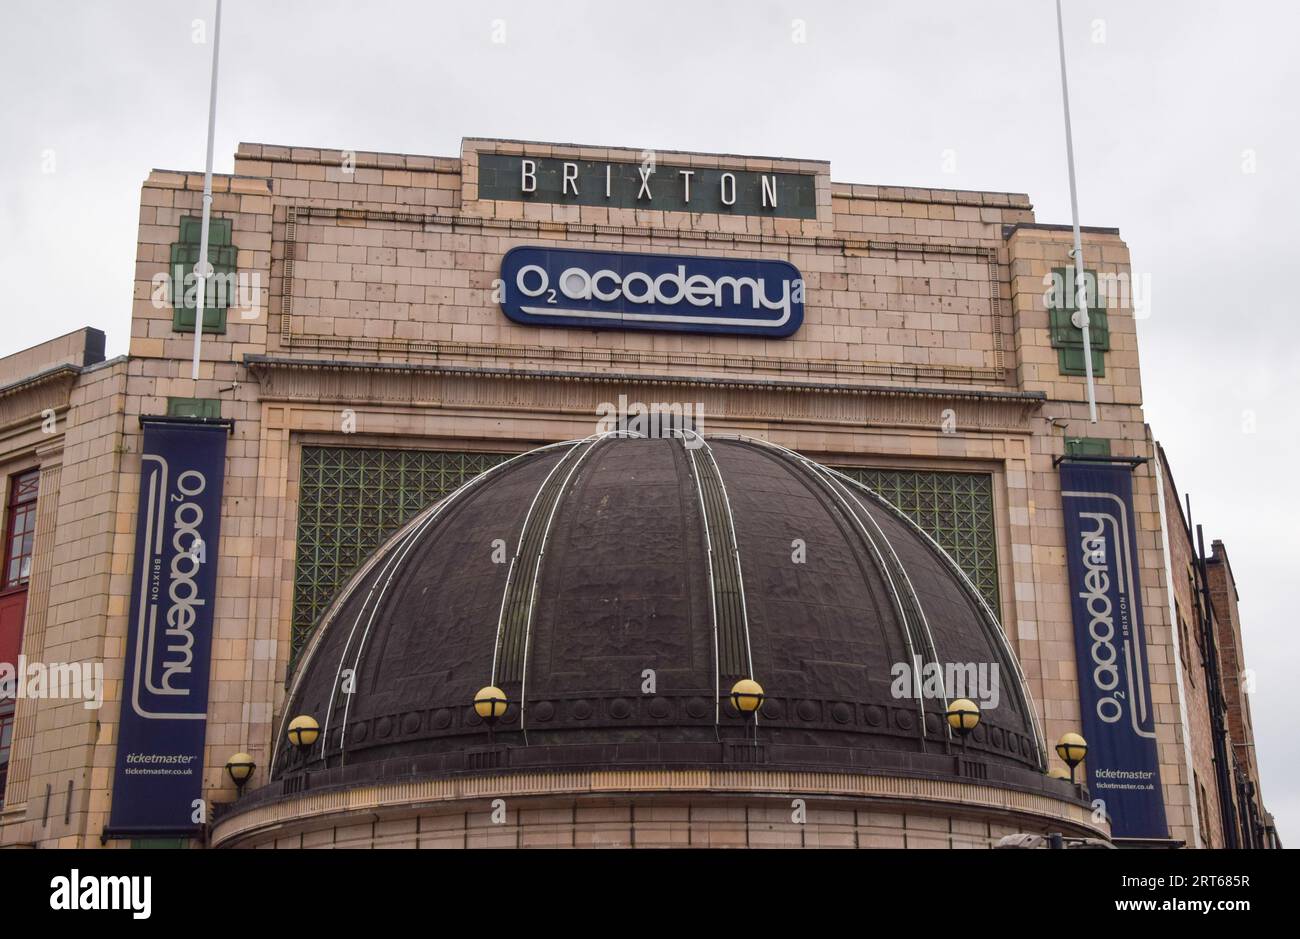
<point x="677" y="293"/>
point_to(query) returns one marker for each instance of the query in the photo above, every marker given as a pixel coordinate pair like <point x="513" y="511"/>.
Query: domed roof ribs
<point x="388" y="554"/>
<point x="507" y="649"/>
<point x="992" y="626"/>
<point x="732" y="653"/>
<point x="893" y="573"/>
<point x="558" y="497"/>
<point x="713" y="592"/>
<point x="393" y="569"/>
<point x="338" y="699"/>
<point x="519" y="598"/>
<point x="910" y="595"/>
<point x="383" y="581"/>
<point x="404" y="538"/>
<point x="989" y="621"/>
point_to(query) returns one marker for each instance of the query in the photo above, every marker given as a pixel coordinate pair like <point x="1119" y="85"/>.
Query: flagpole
<point x="202" y="268"/>
<point x="1080" y="317"/>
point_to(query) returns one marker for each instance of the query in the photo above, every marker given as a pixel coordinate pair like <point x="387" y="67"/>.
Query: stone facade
<point x="369" y="319"/>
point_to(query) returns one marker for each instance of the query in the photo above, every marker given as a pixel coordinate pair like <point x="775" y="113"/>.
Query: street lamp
<point x="240" y="767"/>
<point x="304" y="732"/>
<point x="747" y="697"/>
<point x="1072" y="749"/>
<point x="490" y="704"/>
<point x="963" y="717"/>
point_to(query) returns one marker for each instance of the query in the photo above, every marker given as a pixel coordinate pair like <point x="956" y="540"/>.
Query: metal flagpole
<point x="1080" y="317"/>
<point x="202" y="268"/>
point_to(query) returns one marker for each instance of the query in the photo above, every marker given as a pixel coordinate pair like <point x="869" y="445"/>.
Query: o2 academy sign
<point x="646" y="185"/>
<point x="609" y="290"/>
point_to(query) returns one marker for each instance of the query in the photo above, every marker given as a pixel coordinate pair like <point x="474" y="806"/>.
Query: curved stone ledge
<point x="305" y="812"/>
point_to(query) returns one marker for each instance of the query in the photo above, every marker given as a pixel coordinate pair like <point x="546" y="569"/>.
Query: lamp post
<point x="963" y="716"/>
<point x="490" y="704"/>
<point x="747" y="697"/>
<point x="1071" y="748"/>
<point x="240" y="767"/>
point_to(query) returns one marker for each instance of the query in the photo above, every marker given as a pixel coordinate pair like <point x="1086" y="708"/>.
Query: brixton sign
<point x="678" y="293"/>
<point x="646" y="185"/>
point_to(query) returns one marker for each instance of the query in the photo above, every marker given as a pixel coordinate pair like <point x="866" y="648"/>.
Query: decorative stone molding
<point x="621" y="235"/>
<point x="275" y="818"/>
<point x="27" y="399"/>
<point x="580" y="393"/>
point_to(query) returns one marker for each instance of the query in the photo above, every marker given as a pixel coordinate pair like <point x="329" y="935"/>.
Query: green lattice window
<point x="955" y="509"/>
<point x="219" y="289"/>
<point x="350" y="500"/>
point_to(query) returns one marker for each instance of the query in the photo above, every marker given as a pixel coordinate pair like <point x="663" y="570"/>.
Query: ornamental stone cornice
<point x="386" y="384"/>
<point x="29" y="398"/>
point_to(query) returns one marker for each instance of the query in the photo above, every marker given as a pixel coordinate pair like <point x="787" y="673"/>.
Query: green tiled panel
<point x="219" y="230"/>
<point x="350" y="500"/>
<point x="955" y="509"/>
<point x="1087" y="446"/>
<point x="1070" y="361"/>
<point x="1067" y="339"/>
<point x="184" y="256"/>
<point x="193" y="407"/>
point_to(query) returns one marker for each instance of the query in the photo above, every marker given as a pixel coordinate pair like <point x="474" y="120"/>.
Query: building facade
<point x="385" y="328"/>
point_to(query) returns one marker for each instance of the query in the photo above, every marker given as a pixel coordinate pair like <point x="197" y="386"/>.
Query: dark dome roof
<point x="573" y="576"/>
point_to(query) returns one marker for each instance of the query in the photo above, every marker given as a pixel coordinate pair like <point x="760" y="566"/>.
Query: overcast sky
<point x="1185" y="125"/>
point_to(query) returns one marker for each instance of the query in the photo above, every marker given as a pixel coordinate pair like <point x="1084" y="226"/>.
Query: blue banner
<point x="1111" y="647"/>
<point x="158" y="780"/>
<point x="608" y="290"/>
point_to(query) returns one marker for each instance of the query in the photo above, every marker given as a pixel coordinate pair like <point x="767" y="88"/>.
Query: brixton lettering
<point x="647" y="185"/>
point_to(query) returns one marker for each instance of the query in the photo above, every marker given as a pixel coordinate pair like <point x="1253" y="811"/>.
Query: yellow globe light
<point x="747" y="696"/>
<point x="1057" y="772"/>
<point x="490" y="703"/>
<point x="963" y="715"/>
<point x="240" y="767"/>
<point x="1072" y="749"/>
<point x="303" y="731"/>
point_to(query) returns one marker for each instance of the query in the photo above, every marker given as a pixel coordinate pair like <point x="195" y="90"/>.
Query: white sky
<point x="1165" y="110"/>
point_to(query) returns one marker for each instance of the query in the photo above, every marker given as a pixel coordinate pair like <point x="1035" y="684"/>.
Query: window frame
<point x="8" y="719"/>
<point x="24" y="492"/>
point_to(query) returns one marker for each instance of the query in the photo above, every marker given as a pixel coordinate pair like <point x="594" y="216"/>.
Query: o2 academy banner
<point x="1110" y="647"/>
<point x="611" y="290"/>
<point x="157" y="784"/>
